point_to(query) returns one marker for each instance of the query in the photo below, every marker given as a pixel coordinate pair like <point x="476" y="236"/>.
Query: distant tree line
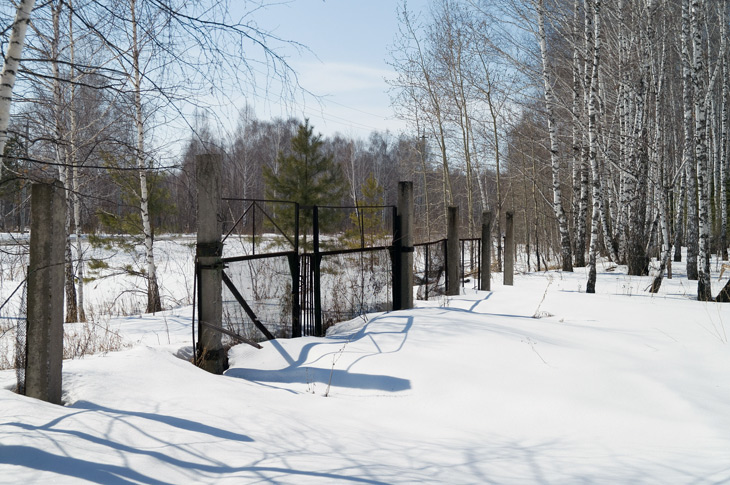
<point x="601" y="123"/>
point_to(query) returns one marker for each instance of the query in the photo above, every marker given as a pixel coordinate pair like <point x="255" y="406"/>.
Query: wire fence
<point x="13" y="334"/>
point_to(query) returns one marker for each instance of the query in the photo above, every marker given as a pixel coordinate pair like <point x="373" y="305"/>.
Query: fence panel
<point x="355" y="283"/>
<point x="470" y="262"/>
<point x="429" y="269"/>
<point x="429" y="266"/>
<point x="265" y="283"/>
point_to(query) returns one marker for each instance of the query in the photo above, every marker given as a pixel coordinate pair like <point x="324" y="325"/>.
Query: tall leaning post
<point x="45" y="292"/>
<point x="509" y="249"/>
<point x="210" y="353"/>
<point x="453" y="267"/>
<point x="486" y="262"/>
<point x="405" y="216"/>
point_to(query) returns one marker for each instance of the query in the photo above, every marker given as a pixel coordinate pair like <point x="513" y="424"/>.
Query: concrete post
<point x="405" y="216"/>
<point x="509" y="249"/>
<point x="45" y="292"/>
<point x="210" y="353"/>
<point x="453" y="266"/>
<point x="486" y="260"/>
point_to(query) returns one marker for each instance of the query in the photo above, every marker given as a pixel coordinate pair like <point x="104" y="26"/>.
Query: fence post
<point x="509" y="249"/>
<point x="45" y="292"/>
<point x="486" y="263"/>
<point x="452" y="251"/>
<point x="405" y="216"/>
<point x="211" y="355"/>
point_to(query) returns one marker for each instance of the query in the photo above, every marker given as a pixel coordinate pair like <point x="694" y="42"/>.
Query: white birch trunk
<point x="724" y="155"/>
<point x="79" y="273"/>
<point x="704" y="289"/>
<point x="580" y="176"/>
<point x="688" y="152"/>
<point x="153" y="294"/>
<point x="593" y="149"/>
<point x="10" y="69"/>
<point x="565" y="248"/>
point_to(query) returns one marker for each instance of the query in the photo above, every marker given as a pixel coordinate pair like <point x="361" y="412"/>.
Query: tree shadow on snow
<point x="300" y="370"/>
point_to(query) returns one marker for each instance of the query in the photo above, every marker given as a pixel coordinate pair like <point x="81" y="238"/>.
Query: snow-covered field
<point x="617" y="387"/>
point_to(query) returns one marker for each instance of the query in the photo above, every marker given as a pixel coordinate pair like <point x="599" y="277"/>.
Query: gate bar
<point x="246" y="308"/>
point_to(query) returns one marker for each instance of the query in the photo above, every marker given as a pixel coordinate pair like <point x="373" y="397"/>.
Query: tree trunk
<point x="593" y="148"/>
<point x="580" y="174"/>
<point x="704" y="288"/>
<point x="565" y="248"/>
<point x="10" y="69"/>
<point x="153" y="293"/>
<point x="723" y="155"/>
<point x="688" y="152"/>
<point x="75" y="202"/>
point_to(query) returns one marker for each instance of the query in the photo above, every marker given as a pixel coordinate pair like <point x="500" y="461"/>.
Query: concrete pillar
<point x="210" y="353"/>
<point x="45" y="292"/>
<point x="453" y="266"/>
<point x="509" y="249"/>
<point x="486" y="256"/>
<point x="405" y="216"/>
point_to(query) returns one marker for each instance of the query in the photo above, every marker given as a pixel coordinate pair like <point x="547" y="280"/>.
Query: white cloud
<point x="332" y="78"/>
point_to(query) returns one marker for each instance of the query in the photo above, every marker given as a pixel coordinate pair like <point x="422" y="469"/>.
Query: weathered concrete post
<point x="486" y="262"/>
<point x="210" y="353"/>
<point x="509" y="249"/>
<point x="45" y="292"/>
<point x="453" y="268"/>
<point x="405" y="216"/>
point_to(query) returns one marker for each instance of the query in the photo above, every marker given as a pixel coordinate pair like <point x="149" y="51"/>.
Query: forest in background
<point x="602" y="124"/>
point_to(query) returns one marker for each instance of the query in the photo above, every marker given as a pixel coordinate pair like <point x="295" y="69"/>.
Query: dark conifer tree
<point x="308" y="176"/>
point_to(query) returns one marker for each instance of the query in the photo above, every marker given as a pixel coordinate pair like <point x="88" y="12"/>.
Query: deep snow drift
<point x="619" y="387"/>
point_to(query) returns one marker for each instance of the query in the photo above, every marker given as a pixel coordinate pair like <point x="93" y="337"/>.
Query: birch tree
<point x="11" y="63"/>
<point x="593" y="147"/>
<point x="565" y="247"/>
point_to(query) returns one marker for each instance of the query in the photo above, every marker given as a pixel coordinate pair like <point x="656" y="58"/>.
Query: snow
<point x="617" y="387"/>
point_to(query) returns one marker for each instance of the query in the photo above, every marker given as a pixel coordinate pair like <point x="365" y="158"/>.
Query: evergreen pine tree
<point x="367" y="221"/>
<point x="306" y="176"/>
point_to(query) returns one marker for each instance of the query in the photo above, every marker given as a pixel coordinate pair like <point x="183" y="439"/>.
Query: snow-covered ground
<point x="617" y="387"/>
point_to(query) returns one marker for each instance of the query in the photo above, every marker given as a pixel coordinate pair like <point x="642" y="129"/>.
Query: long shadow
<point x="94" y="472"/>
<point x="307" y="375"/>
<point x="36" y="459"/>
<point x="298" y="373"/>
<point x="127" y="449"/>
<point x="181" y="423"/>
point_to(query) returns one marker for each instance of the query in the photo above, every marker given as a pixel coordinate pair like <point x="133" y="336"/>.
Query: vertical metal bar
<point x="296" y="324"/>
<point x="317" y="275"/>
<point x="479" y="266"/>
<point x="444" y="248"/>
<point x="463" y="248"/>
<point x="426" y="275"/>
<point x="396" y="261"/>
<point x="253" y="231"/>
<point x="486" y="255"/>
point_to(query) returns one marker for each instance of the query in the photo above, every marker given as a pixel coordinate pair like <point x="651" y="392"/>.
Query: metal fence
<point x="430" y="266"/>
<point x="349" y="272"/>
<point x="291" y="280"/>
<point x="283" y="279"/>
<point x="13" y="334"/>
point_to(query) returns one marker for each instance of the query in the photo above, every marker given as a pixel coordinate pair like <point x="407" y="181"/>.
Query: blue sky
<point x="349" y="42"/>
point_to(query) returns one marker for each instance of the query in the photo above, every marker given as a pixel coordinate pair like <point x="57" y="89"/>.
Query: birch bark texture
<point x="10" y="69"/>
<point x="593" y="147"/>
<point x="550" y="102"/>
